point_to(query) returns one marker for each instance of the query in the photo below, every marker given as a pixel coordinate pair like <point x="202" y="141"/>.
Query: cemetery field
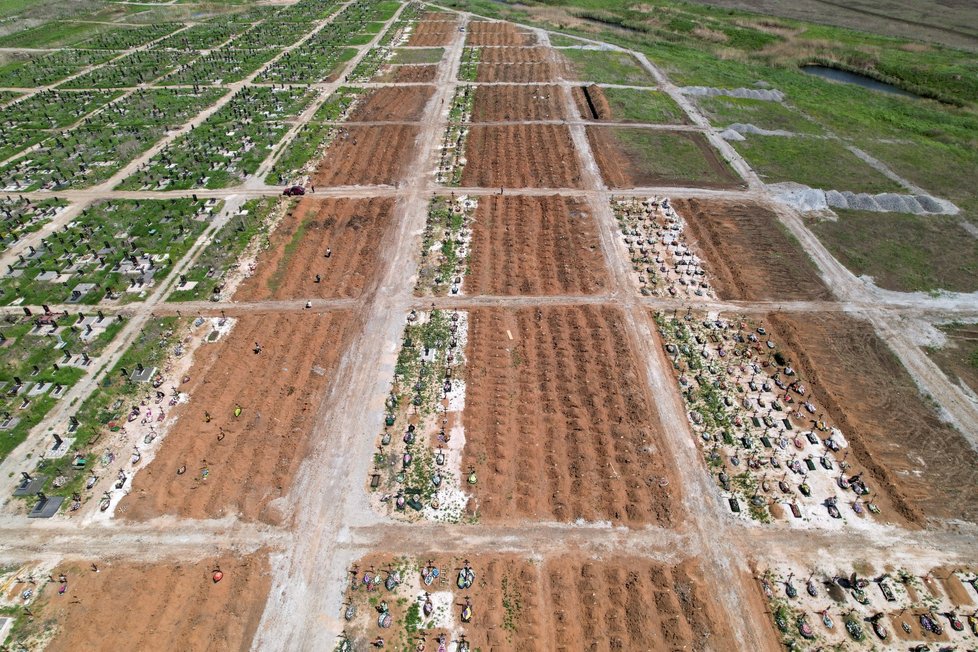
<point x="337" y="325"/>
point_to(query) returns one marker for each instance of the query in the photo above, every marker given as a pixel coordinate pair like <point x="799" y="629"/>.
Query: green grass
<point x="52" y="34"/>
<point x="825" y="164"/>
<point x="608" y="68"/>
<point x="903" y="252"/>
<point x="653" y="107"/>
<point x="724" y="111"/>
<point x="662" y="157"/>
<point x="418" y="55"/>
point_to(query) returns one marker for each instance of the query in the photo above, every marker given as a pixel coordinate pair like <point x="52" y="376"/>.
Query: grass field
<point x="608" y="67"/>
<point x="724" y="111"/>
<point x="818" y="163"/>
<point x="633" y="105"/>
<point x="903" y="252"/>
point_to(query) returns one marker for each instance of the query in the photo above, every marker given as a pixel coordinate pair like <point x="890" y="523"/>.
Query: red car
<point x="294" y="191"/>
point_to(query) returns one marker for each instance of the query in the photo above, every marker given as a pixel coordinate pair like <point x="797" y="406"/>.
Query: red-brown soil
<point x="352" y="228"/>
<point x="533" y="246"/>
<point x="534" y="54"/>
<point x="250" y="459"/>
<point x="566" y="603"/>
<point x="171" y="606"/>
<point x="520" y="73"/>
<point x="366" y="156"/>
<point x="748" y="253"/>
<point x="408" y="73"/>
<point x="511" y="103"/>
<point x="920" y="464"/>
<point x="633" y="604"/>
<point x="521" y="156"/>
<point x="436" y="31"/>
<point x="559" y="422"/>
<point x="601" y="107"/>
<point x="393" y="104"/>
<point x="482" y="32"/>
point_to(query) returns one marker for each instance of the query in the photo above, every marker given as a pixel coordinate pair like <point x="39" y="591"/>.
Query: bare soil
<point x="393" y="104"/>
<point x="482" y="32"/>
<point x="534" y="54"/>
<point x="435" y="31"/>
<point x="510" y="103"/>
<point x="520" y="73"/>
<point x="239" y="465"/>
<point x="173" y="606"/>
<point x="408" y="73"/>
<point x="630" y="165"/>
<point x="364" y="156"/>
<point x="559" y="421"/>
<point x="521" y="156"/>
<point x="535" y="246"/>
<point x="565" y="603"/>
<point x="351" y="228"/>
<point x="748" y="253"/>
<point x="922" y="465"/>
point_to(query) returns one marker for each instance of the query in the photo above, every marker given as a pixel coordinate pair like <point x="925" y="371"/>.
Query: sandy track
<point x="254" y="460"/>
<point x="559" y="420"/>
<point x="520" y="156"/>
<point x="351" y="228"/>
<point x="517" y="102"/>
<point x="393" y="104"/>
<point x="158" y="606"/>
<point x="534" y="246"/>
<point x="367" y="156"/>
<point x="749" y="255"/>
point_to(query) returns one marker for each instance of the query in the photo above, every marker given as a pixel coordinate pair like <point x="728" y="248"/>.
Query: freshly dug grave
<point x="408" y="73"/>
<point x="440" y="29"/>
<point x="534" y="246"/>
<point x="924" y="466"/>
<point x="521" y="73"/>
<point x="498" y="103"/>
<point x="483" y="32"/>
<point x="165" y="606"/>
<point x="352" y="229"/>
<point x="559" y="421"/>
<point x="364" y="156"/>
<point x="749" y="254"/>
<point x="521" y="156"/>
<point x="393" y="104"/>
<point x="239" y="465"/>
<point x="534" y="54"/>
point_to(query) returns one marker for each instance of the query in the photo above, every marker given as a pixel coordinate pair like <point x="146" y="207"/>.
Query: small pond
<point x="833" y="74"/>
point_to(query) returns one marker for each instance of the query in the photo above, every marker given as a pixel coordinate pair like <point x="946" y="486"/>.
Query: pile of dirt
<point x="534" y="246"/>
<point x="213" y="463"/>
<point x="363" y="156"/>
<point x="591" y="102"/>
<point x="559" y="422"/>
<point x="921" y="464"/>
<point x="483" y="32"/>
<point x="499" y="103"/>
<point x="174" y="606"/>
<point x="749" y="254"/>
<point x="352" y="229"/>
<point x="393" y="104"/>
<point x="521" y="156"/>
